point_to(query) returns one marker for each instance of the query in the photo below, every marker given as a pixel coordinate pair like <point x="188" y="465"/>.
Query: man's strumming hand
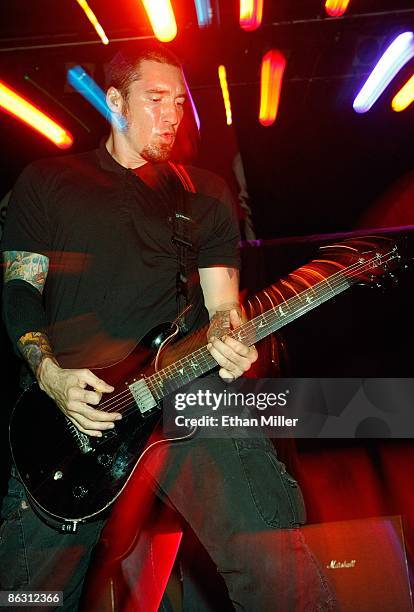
<point x="67" y="388"/>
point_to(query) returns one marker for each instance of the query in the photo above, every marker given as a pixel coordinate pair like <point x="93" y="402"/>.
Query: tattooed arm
<point x="66" y="387"/>
<point x="220" y="287"/>
<point x="31" y="268"/>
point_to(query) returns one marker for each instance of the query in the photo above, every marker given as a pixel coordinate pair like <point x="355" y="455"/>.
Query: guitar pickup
<point x="142" y="396"/>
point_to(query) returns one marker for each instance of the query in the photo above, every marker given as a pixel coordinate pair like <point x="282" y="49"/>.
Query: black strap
<point x="173" y="185"/>
<point x="182" y="225"/>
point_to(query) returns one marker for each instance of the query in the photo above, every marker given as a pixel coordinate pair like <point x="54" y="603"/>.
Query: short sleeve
<point x="27" y="227"/>
<point x="221" y="246"/>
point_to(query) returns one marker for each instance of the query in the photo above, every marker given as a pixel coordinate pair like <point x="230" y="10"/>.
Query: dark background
<point x="320" y="168"/>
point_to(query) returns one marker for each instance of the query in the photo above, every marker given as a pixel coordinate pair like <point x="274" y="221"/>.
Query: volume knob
<point x="104" y="459"/>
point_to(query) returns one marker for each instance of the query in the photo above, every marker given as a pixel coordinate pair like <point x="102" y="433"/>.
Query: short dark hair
<point x="125" y="66"/>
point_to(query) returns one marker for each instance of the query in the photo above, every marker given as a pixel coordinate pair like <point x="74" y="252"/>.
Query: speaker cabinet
<point x="365" y="561"/>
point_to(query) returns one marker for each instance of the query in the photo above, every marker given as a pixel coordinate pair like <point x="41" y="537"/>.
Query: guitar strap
<point x="182" y="225"/>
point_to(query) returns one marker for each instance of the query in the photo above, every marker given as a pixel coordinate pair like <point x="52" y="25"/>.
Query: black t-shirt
<point x="112" y="265"/>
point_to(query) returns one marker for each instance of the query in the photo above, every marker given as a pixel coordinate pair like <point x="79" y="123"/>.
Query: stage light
<point x="92" y="18"/>
<point x="273" y="67"/>
<point x="56" y="101"/>
<point x="86" y="86"/>
<point x="399" y="52"/>
<point x="162" y="19"/>
<point x="35" y="118"/>
<point x="251" y="14"/>
<point x="336" y="8"/>
<point x="225" y="91"/>
<point x="404" y="97"/>
<point x="204" y="12"/>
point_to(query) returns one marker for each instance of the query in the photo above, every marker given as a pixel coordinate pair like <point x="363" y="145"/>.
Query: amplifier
<point x="365" y="561"/>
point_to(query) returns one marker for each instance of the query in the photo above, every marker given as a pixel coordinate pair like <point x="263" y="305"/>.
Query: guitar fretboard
<point x="200" y="362"/>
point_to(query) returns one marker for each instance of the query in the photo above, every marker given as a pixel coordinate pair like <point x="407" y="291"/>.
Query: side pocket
<point x="293" y="492"/>
<point x="13" y="498"/>
<point x="276" y="494"/>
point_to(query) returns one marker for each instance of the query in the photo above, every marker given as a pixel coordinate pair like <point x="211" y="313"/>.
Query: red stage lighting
<point x="336" y="8"/>
<point x="161" y="15"/>
<point x="273" y="67"/>
<point x="17" y="106"/>
<point x="251" y="13"/>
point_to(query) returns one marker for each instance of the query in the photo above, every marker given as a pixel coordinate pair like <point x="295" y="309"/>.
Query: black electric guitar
<point x="71" y="477"/>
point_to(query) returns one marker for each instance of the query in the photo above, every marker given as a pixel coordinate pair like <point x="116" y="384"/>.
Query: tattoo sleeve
<point x="30" y="267"/>
<point x="35" y="348"/>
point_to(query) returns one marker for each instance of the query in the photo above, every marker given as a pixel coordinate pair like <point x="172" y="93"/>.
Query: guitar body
<point x="71" y="477"/>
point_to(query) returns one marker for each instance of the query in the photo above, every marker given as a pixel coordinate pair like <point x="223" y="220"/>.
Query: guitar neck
<point x="199" y="362"/>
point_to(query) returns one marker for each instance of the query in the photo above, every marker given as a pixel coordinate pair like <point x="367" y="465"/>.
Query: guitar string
<point x="209" y="361"/>
<point x="173" y="368"/>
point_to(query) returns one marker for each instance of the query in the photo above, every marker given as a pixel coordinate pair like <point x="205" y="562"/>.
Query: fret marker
<point x="194" y="365"/>
<point x="309" y="299"/>
<point x="181" y="371"/>
<point x="261" y="324"/>
<point x="282" y="314"/>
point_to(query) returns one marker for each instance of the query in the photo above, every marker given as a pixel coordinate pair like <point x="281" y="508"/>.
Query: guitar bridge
<point x="142" y="396"/>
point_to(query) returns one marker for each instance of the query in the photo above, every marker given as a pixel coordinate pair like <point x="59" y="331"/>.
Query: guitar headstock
<point x="365" y="259"/>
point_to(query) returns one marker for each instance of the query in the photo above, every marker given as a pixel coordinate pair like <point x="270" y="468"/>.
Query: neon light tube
<point x="17" y="106"/>
<point x="273" y="67"/>
<point x="336" y="8"/>
<point x="65" y="108"/>
<point x="251" y="14"/>
<point x="404" y="97"/>
<point x="399" y="52"/>
<point x="162" y="19"/>
<point x="92" y="18"/>
<point x="204" y="12"/>
<point x="86" y="86"/>
<point x="225" y="91"/>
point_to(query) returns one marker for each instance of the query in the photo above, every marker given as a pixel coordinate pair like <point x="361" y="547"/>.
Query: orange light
<point x="251" y="14"/>
<point x="92" y="18"/>
<point x="336" y="8"/>
<point x="225" y="91"/>
<point x="273" y="67"/>
<point x="404" y="97"/>
<point x="161" y="15"/>
<point x="26" y="112"/>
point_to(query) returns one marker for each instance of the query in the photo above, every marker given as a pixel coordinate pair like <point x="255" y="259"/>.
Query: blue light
<point x="204" y="12"/>
<point x="86" y="86"/>
<point x="399" y="52"/>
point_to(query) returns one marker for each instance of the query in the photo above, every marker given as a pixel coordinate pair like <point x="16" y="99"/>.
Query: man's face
<point x="154" y="110"/>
